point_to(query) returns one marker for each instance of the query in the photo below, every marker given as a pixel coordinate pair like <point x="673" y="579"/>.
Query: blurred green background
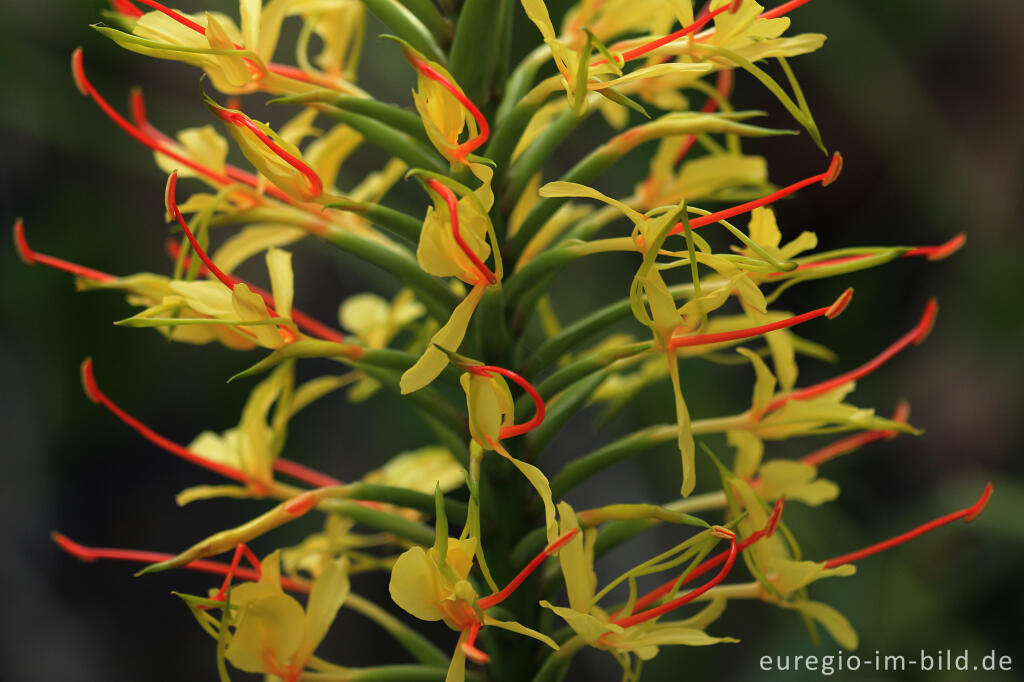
<point x="923" y="98"/>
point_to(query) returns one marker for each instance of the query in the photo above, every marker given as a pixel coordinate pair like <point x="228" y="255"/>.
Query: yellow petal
<point x="450" y="336"/>
<point x="282" y="281"/>
<point x="415" y="585"/>
<point x="249" y="307"/>
<point x="267" y="628"/>
<point x="329" y="592"/>
<point x="254" y="239"/>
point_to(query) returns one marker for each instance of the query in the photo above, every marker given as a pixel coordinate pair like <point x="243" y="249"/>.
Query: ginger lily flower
<point x="453" y="243"/>
<point x="432" y="585"/>
<point x="238" y="58"/>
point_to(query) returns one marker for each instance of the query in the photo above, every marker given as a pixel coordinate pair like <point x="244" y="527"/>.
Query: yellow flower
<point x="272" y="633"/>
<point x="432" y="585"/>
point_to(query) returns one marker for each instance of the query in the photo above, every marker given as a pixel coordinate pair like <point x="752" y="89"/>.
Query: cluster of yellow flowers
<point x="477" y="272"/>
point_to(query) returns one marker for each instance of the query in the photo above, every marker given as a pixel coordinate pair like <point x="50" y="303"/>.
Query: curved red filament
<point x="172" y="208"/>
<point x="705" y="566"/>
<point x="932" y="253"/>
<point x="31" y="257"/>
<point x="85" y="553"/>
<point x="453" y="211"/>
<point x="641" y="50"/>
<point x="831" y="312"/>
<point x="498" y="597"/>
<point x="469" y="645"/>
<point x="484" y="131"/>
<point x="968" y="514"/>
<point x="538" y="402"/>
<point x="730" y="559"/>
<point x="293" y="469"/>
<point x="826" y="178"/>
<point x="915" y="336"/>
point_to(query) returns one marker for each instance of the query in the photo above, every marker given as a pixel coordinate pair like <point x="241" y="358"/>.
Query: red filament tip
<point x="425" y="69"/>
<point x="538" y="402"/>
<point x="827" y="177"/>
<point x="914" y="336"/>
<point x="127" y="8"/>
<point x="293" y="469"/>
<point x="968" y="514"/>
<point x="31" y="257"/>
<point x="830" y="312"/>
<point x="453" y="211"/>
<point x="469" y="646"/>
<point x="138" y="556"/>
<point x="941" y="251"/>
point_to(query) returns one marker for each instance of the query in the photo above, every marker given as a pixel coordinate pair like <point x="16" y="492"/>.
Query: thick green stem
<point x="398" y="526"/>
<point x="421" y="648"/>
<point x="405" y="497"/>
<point x="410" y="149"/>
<point x="479" y="37"/>
<point x="408" y="27"/>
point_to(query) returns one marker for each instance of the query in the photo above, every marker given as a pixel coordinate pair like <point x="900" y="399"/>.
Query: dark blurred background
<point x="923" y="98"/>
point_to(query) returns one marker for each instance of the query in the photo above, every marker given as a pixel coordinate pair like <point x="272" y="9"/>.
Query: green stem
<point x="392" y="220"/>
<point x="421" y="648"/>
<point x="392" y="140"/>
<point x="567" y="405"/>
<point x="408" y="27"/>
<point x="555" y="668"/>
<point x="405" y="497"/>
<point x="540" y="150"/>
<point x="385" y="521"/>
<point x="439" y="26"/>
<point x="440" y="300"/>
<point x="475" y="48"/>
<point x="400" y="119"/>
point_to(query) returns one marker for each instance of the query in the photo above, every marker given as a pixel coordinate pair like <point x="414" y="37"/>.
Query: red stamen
<point x="500" y="596"/>
<point x="31" y="257"/>
<point x="241" y="549"/>
<point x="469" y="646"/>
<point x="851" y="443"/>
<point x="723" y="84"/>
<point x="172" y="209"/>
<point x="641" y="50"/>
<point x="87" y="89"/>
<point x="127" y="8"/>
<point x="425" y="69"/>
<point x="831" y="312"/>
<point x="915" y="336"/>
<point x="538" y="402"/>
<point x="97" y="396"/>
<point x="968" y="515"/>
<point x="784" y="8"/>
<point x="826" y="178"/>
<point x="238" y="119"/>
<point x="293" y="469"/>
<point x="644" y="616"/>
<point x="707" y="565"/>
<point x="93" y="553"/>
<point x="453" y="211"/>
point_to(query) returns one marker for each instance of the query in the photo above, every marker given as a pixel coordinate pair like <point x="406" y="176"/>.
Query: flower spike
<point x="831" y="312"/>
<point x="968" y="514"/>
<point x="298" y="471"/>
<point x="915" y="336"/>
<point x="31" y="257"/>
<point x="453" y="211"/>
<point x="424" y="68"/>
<point x="826" y="178"/>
